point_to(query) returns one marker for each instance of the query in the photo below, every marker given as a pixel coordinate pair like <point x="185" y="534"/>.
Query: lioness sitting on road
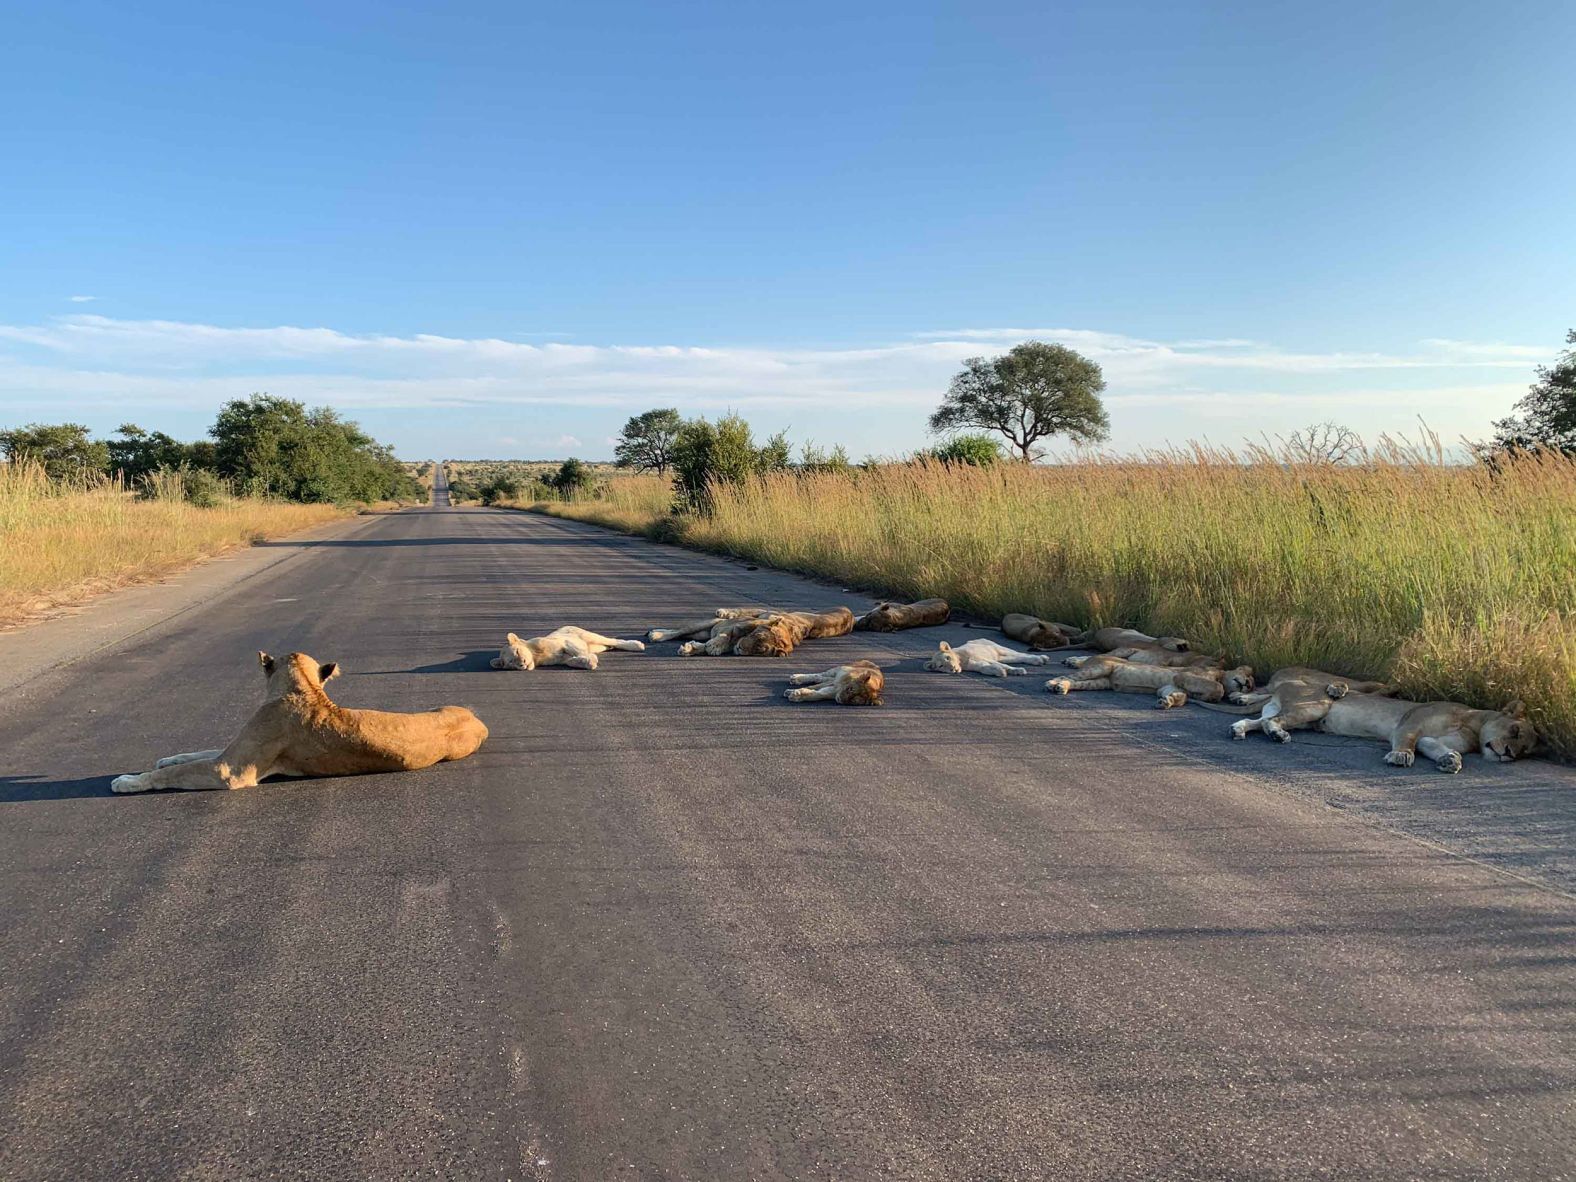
<point x="858" y="684"/>
<point x="569" y="646"/>
<point x="1038" y="634"/>
<point x="1172" y="687"/>
<point x="983" y="656"/>
<point x="298" y="731"/>
<point x="895" y="617"/>
<point x="722" y="615"/>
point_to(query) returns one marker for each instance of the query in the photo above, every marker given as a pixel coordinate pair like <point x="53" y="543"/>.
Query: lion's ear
<point x="1516" y="708"/>
<point x="265" y="661"/>
<point x="945" y="647"/>
<point x="512" y="638"/>
<point x="324" y="672"/>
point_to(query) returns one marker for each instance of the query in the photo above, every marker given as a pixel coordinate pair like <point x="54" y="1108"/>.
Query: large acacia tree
<point x="1028" y="394"/>
<point x="646" y="442"/>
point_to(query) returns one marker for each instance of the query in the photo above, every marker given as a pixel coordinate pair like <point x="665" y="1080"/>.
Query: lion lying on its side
<point x="298" y="731"/>
<point x="1442" y="731"/>
<point x="895" y="617"/>
<point x="1038" y="634"/>
<point x="569" y="646"/>
<point x="857" y="684"/>
<point x="983" y="656"/>
<point x="1172" y="687"/>
<point x="722" y="616"/>
<point x="1046" y="634"/>
<point x="767" y="634"/>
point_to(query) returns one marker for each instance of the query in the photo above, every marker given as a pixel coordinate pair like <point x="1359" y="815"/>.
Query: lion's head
<point x="945" y="660"/>
<point x="294" y="672"/>
<point x="1507" y="735"/>
<point x="772" y="637"/>
<point x="1238" y="680"/>
<point x="516" y="654"/>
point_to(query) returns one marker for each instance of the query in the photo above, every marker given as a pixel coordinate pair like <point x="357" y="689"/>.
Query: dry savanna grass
<point x="63" y="545"/>
<point x="1457" y="580"/>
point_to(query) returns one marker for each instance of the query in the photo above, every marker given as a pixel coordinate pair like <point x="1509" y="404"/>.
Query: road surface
<point x="667" y="925"/>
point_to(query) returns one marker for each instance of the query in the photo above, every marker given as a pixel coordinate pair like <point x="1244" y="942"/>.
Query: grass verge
<point x="1458" y="581"/>
<point x="62" y="546"/>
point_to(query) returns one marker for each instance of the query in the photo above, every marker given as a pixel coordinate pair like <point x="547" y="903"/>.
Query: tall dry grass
<point x="60" y="545"/>
<point x="1459" y="581"/>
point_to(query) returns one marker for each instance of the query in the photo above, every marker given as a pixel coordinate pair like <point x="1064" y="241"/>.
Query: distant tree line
<point x="262" y="446"/>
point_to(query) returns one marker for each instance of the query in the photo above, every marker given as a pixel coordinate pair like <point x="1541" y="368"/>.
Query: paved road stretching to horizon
<point x="667" y="925"/>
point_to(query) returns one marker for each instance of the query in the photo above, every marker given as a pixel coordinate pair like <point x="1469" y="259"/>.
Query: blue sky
<point x="500" y="229"/>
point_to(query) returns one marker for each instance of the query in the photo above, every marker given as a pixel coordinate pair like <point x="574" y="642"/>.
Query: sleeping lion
<point x="572" y="647"/>
<point x="1171" y="687"/>
<point x="895" y="617"/>
<point x="299" y="731"/>
<point x="857" y="684"/>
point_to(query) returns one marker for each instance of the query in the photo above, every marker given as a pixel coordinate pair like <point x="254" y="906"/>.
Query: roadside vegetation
<point x="79" y="515"/>
<point x="65" y="541"/>
<point x="1453" y="578"/>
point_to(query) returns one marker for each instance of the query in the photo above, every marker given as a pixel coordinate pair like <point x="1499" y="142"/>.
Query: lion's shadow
<point x="26" y="789"/>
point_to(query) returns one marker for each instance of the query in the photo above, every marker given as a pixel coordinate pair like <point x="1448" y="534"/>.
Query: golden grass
<point x="1458" y="581"/>
<point x="61" y="546"/>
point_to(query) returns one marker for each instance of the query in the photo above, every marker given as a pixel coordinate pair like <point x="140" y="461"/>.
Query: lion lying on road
<point x="983" y="656"/>
<point x="1038" y="633"/>
<point x="895" y="617"/>
<point x="858" y="684"/>
<point x="722" y="616"/>
<point x="1172" y="687"/>
<point x="764" y="633"/>
<point x="298" y="731"/>
<point x="1046" y="634"/>
<point x="570" y="646"/>
<point x="1441" y="731"/>
<point x="1152" y="655"/>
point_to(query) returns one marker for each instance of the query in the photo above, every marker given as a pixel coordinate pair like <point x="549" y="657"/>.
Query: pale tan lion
<point x="856" y="684"/>
<point x="1148" y="654"/>
<point x="298" y="731"/>
<point x="1110" y="639"/>
<point x="694" y="628"/>
<point x="778" y="635"/>
<point x="1038" y="634"/>
<point x="1172" y="687"/>
<point x="895" y="617"/>
<point x="1441" y="731"/>
<point x="983" y="656"/>
<point x="569" y="646"/>
<point x="1293" y="697"/>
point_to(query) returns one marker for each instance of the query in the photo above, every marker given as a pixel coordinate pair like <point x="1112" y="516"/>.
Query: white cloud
<point x="1157" y="389"/>
<point x="80" y="299"/>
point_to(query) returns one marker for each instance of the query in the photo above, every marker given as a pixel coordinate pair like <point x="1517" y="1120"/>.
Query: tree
<point x="1032" y="392"/>
<point x="63" y="450"/>
<point x="708" y="454"/>
<point x="138" y="453"/>
<point x="572" y="478"/>
<point x="1323" y="443"/>
<point x="646" y="442"/>
<point x="815" y="459"/>
<point x="976" y="449"/>
<point x="1548" y="410"/>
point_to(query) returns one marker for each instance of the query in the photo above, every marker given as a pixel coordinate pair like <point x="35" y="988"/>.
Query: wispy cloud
<point x="82" y="299"/>
<point x="98" y="361"/>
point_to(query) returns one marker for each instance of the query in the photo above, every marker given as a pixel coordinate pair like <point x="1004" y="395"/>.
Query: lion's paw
<point x="1337" y="690"/>
<point x="1239" y="730"/>
<point x="1277" y="732"/>
<point x="1014" y="671"/>
<point x="1059" y="685"/>
<point x="1170" y="700"/>
<point x="1449" y="762"/>
<point x="1399" y="758"/>
<point x="1075" y="662"/>
<point x="126" y="783"/>
<point x="634" y="646"/>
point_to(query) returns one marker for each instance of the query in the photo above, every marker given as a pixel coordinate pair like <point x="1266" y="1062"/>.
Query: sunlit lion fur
<point x="983" y="656"/>
<point x="696" y="628"/>
<point x="1038" y="634"/>
<point x="569" y="646"/>
<point x="895" y="617"/>
<point x="299" y="731"/>
<point x="856" y="684"/>
<point x="1172" y="687"/>
<point x="780" y="634"/>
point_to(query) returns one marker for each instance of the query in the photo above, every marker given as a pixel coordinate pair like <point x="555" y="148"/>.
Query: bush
<point x="499" y="489"/>
<point x="980" y="450"/>
<point x="706" y="455"/>
<point x="574" y="478"/>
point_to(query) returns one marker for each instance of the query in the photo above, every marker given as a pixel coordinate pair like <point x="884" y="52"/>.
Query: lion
<point x="1292" y="697"/>
<point x="1038" y="634"/>
<point x="778" y="635"/>
<point x="895" y="617"/>
<point x="985" y="657"/>
<point x="856" y="684"/>
<point x="1172" y="687"/>
<point x="569" y="646"/>
<point x="1441" y="731"/>
<point x="1153" y="655"/>
<point x="299" y="731"/>
<point x="722" y="615"/>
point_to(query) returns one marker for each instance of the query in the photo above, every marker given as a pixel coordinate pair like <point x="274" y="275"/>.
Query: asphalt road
<point x="667" y="925"/>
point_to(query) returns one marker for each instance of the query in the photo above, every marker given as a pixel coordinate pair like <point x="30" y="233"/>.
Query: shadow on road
<point x="373" y="543"/>
<point x="476" y="661"/>
<point x="23" y="789"/>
